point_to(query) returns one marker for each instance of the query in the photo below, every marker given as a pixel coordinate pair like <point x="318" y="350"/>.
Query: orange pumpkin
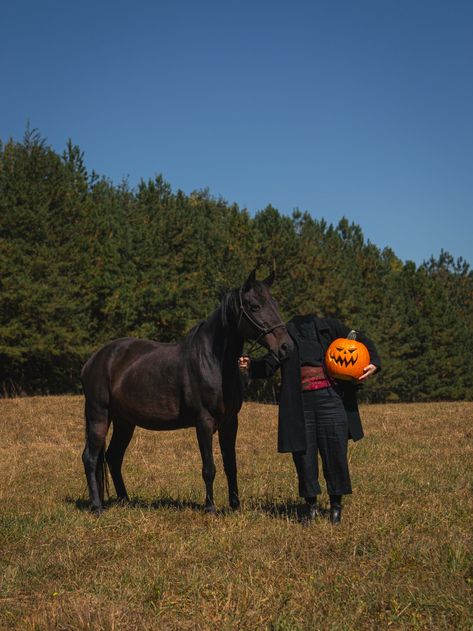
<point x="346" y="357"/>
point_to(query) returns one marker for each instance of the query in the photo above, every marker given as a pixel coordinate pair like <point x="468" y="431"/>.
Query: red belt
<point x="315" y="384"/>
<point x="314" y="378"/>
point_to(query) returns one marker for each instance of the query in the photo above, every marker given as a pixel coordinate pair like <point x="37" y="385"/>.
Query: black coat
<point x="291" y="428"/>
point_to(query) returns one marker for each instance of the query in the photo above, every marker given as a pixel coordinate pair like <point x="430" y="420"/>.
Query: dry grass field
<point x="402" y="558"/>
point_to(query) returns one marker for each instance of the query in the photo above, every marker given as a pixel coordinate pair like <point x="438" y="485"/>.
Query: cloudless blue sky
<point x="356" y="108"/>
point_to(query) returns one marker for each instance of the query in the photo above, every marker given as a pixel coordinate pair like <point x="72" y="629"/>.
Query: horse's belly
<point x="159" y="425"/>
<point x="162" y="400"/>
<point x="150" y="408"/>
<point x="154" y="419"/>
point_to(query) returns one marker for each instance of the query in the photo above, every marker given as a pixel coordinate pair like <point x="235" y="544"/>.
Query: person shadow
<point x="288" y="510"/>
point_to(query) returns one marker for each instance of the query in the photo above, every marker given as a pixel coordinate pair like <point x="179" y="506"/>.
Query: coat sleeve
<point x="374" y="356"/>
<point x="263" y="368"/>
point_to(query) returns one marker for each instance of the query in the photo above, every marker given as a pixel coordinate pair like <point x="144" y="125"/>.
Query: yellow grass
<point x="402" y="558"/>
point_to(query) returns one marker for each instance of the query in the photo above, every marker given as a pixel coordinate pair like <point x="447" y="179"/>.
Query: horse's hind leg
<point x="93" y="455"/>
<point x="227" y="432"/>
<point x="121" y="437"/>
<point x="205" y="429"/>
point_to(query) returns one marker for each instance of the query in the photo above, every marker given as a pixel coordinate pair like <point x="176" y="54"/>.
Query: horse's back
<point x="102" y="368"/>
<point x="156" y="385"/>
<point x="139" y="380"/>
<point x="118" y="352"/>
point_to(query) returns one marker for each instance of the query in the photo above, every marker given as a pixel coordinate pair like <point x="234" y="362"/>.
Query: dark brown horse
<point x="195" y="383"/>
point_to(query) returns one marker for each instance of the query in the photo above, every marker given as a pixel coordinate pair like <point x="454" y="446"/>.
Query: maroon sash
<point x="314" y="378"/>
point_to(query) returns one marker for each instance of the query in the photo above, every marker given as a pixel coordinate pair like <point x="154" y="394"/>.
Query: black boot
<point x="335" y="514"/>
<point x="313" y="509"/>
<point x="335" y="509"/>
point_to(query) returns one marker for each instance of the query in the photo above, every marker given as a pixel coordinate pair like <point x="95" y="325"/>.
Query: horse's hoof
<point x="235" y="505"/>
<point x="97" y="511"/>
<point x="210" y="509"/>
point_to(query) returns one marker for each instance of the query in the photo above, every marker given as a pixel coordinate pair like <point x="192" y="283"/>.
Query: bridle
<point x="259" y="327"/>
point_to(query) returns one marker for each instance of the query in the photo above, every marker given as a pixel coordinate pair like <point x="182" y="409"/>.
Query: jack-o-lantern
<point x="346" y="357"/>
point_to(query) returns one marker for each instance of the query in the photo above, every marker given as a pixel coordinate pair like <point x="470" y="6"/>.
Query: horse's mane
<point x="228" y="306"/>
<point x="191" y="333"/>
<point x="225" y="312"/>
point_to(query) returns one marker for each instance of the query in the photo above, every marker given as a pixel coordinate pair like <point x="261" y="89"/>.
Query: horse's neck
<point x="224" y="343"/>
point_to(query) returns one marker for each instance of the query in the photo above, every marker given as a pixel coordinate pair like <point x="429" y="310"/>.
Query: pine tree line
<point x="83" y="261"/>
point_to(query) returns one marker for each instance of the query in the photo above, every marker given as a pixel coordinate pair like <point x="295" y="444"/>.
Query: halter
<point x="260" y="328"/>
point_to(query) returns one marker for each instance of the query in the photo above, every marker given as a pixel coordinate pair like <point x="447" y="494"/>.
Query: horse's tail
<point x="101" y="471"/>
<point x="102" y="476"/>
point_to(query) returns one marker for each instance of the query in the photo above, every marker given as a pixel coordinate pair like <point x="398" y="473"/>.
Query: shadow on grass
<point x="289" y="510"/>
<point x="165" y="502"/>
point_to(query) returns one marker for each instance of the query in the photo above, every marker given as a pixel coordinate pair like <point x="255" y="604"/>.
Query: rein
<point x="259" y="327"/>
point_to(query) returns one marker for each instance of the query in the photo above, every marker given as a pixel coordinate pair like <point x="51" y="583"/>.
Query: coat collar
<point x="295" y="322"/>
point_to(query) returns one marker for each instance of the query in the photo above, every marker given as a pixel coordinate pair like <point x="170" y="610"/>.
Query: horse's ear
<point x="269" y="281"/>
<point x="250" y="281"/>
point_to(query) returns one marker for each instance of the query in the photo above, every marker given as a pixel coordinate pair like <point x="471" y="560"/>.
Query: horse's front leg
<point x="227" y="433"/>
<point x="205" y="430"/>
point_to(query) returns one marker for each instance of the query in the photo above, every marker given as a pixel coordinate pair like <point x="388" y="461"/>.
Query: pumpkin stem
<point x="351" y="335"/>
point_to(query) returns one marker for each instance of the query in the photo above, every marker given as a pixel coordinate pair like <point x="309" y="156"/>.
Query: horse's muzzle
<point x="285" y="349"/>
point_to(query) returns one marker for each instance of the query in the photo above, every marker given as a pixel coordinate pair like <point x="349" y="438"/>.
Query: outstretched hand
<point x="368" y="371"/>
<point x="244" y="363"/>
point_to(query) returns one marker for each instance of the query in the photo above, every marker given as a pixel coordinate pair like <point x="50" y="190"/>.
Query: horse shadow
<point x="165" y="502"/>
<point x="288" y="510"/>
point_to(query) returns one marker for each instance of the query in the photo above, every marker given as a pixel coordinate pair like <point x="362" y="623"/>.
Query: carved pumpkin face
<point x="345" y="358"/>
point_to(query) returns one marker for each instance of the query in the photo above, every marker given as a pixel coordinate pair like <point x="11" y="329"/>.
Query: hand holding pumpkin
<point x="368" y="371"/>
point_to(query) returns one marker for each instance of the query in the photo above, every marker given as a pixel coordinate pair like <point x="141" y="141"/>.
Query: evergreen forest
<point x="84" y="260"/>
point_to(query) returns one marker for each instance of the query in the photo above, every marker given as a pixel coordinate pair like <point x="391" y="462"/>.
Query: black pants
<point x="326" y="427"/>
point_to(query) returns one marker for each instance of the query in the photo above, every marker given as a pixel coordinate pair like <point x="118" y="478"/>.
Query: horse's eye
<point x="255" y="307"/>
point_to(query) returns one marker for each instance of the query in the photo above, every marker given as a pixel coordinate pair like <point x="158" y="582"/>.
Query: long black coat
<point x="291" y="428"/>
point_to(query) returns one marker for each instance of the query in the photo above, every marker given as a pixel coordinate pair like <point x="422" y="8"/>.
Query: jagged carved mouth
<point x="344" y="361"/>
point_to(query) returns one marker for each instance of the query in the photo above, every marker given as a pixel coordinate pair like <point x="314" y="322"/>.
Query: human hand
<point x="368" y="371"/>
<point x="244" y="363"/>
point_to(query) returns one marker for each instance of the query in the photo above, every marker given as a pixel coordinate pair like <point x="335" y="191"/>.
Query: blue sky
<point x="351" y="108"/>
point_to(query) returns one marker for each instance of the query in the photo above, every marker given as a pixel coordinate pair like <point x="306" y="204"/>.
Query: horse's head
<point x="259" y="318"/>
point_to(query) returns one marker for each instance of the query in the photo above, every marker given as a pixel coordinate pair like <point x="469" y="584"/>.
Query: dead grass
<point x="402" y="558"/>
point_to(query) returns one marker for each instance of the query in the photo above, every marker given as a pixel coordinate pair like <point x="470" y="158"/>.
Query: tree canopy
<point x="83" y="261"/>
